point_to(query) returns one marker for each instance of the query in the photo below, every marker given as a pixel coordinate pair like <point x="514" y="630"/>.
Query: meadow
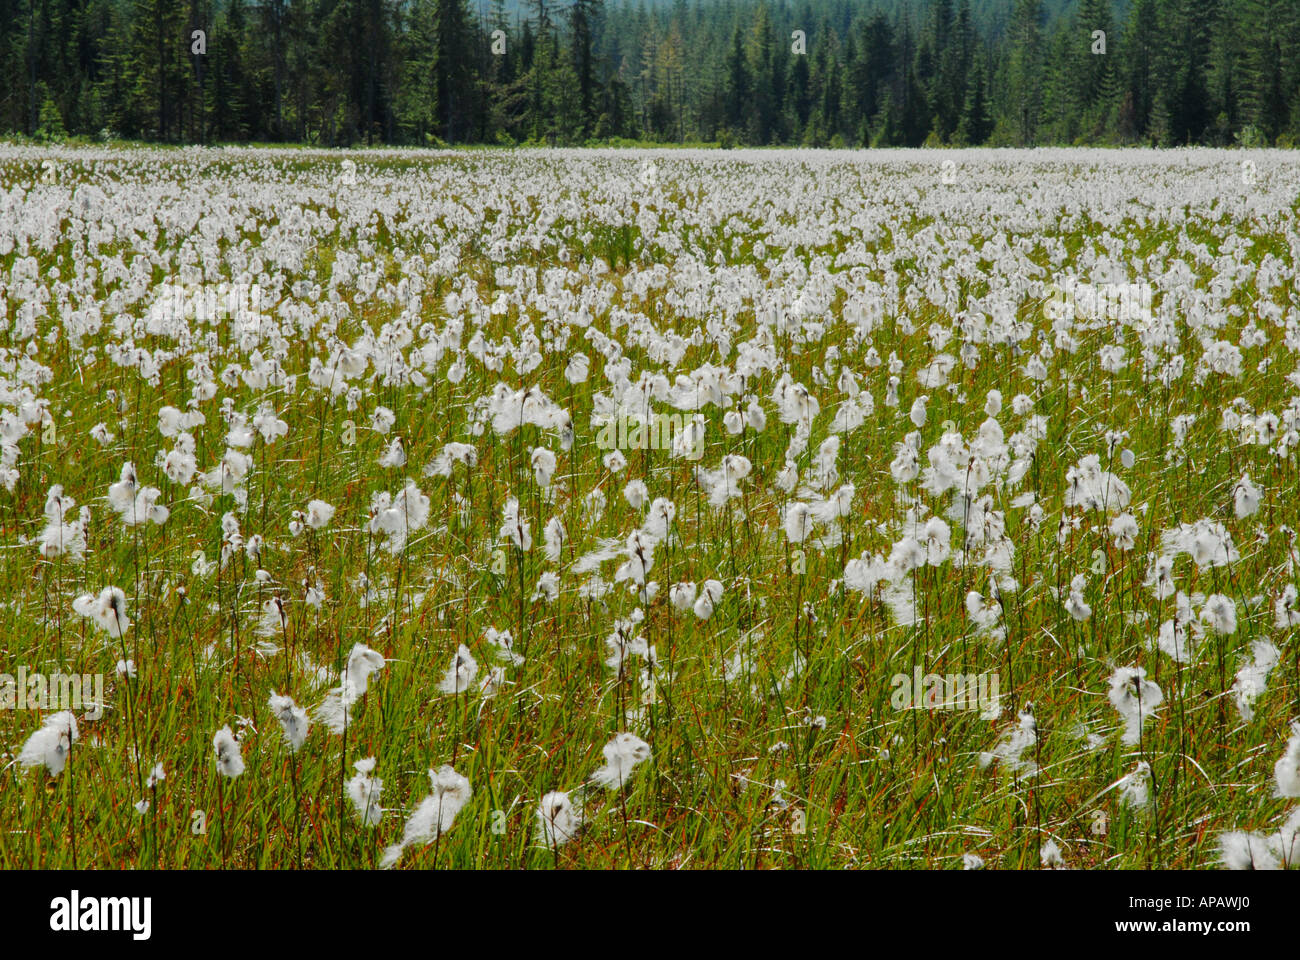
<point x="649" y="509"/>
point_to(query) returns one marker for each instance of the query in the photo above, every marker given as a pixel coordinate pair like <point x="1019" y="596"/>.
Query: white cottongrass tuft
<point x="1050" y="855"/>
<point x="121" y="495"/>
<point x="107" y="610"/>
<point x="394" y="456"/>
<point x="798" y="521"/>
<point x="444" y="462"/>
<point x="1252" y="679"/>
<point x="364" y="790"/>
<point x="1136" y="698"/>
<point x="230" y="763"/>
<point x="514" y="527"/>
<point x="460" y="673"/>
<point x="434" y="816"/>
<point x="1219" y="614"/>
<point x="319" y="514"/>
<point x="503" y="645"/>
<point x="49" y="746"/>
<point x="554" y="535"/>
<point x="1133" y="787"/>
<point x="335" y="711"/>
<point x="1245" y="497"/>
<point x="682" y="595"/>
<point x="1286" y="609"/>
<point x="1242" y="850"/>
<point x="710" y="594"/>
<point x="622" y="754"/>
<point x="293" y="719"/>
<point x="1009" y="750"/>
<point x="559" y="818"/>
<point x="1286" y="772"/>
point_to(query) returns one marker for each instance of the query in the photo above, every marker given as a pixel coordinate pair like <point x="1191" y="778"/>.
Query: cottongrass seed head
<point x="225" y="747"/>
<point x="559" y="818"/>
<point x="364" y="790"/>
<point x="460" y="673"/>
<point x="1286" y="772"/>
<point x="50" y="745"/>
<point x="622" y="755"/>
<point x="434" y="816"/>
<point x="293" y="719"/>
<point x="1136" y="698"/>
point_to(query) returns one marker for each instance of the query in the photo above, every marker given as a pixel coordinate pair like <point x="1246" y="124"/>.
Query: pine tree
<point x="878" y="65"/>
<point x="1025" y="68"/>
<point x="1224" y="78"/>
<point x="761" y="70"/>
<point x="1268" y="25"/>
<point x="1059" y="85"/>
<point x="452" y="70"/>
<point x="1098" y="88"/>
<point x="1141" y="59"/>
<point x="272" y="15"/>
<point x="738" y="83"/>
<point x="976" y="118"/>
<point x="584" y="21"/>
<point x="1182" y="74"/>
<point x="155" y="56"/>
<point x="405" y="71"/>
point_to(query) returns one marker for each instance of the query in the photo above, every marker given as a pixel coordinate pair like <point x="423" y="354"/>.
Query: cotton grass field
<point x="583" y="509"/>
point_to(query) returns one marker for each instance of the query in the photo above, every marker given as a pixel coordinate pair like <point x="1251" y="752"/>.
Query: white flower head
<point x="460" y="673"/>
<point x="319" y="514"/>
<point x="434" y="816"/>
<point x="559" y="818"/>
<point x="682" y="595"/>
<point x="1008" y="751"/>
<point x="335" y="711"/>
<point x="293" y="719"/>
<point x="1133" y="787"/>
<point x="622" y="755"/>
<point x="50" y="745"/>
<point x="1245" y="497"/>
<point x="107" y="610"/>
<point x="1286" y="772"/>
<point x="364" y="790"/>
<point x="710" y="594"/>
<point x="1136" y="698"/>
<point x="230" y="763"/>
<point x="1241" y="850"/>
<point x="394" y="457"/>
<point x="1051" y="856"/>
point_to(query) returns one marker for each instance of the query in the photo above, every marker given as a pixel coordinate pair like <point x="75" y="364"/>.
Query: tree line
<point x="735" y="72"/>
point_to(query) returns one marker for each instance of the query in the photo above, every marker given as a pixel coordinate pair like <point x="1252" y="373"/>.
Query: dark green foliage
<point x="884" y="72"/>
